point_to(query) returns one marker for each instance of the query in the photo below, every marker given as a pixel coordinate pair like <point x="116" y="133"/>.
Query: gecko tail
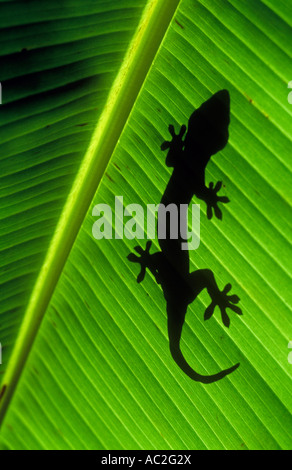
<point x="190" y="372"/>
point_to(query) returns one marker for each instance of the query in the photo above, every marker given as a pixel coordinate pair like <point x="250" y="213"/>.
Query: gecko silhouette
<point x="207" y="134"/>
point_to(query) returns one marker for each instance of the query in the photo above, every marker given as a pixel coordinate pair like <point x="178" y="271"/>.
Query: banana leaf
<point x="89" y="91"/>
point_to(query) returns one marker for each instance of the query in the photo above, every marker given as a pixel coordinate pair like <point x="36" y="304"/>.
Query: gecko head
<point x="208" y="125"/>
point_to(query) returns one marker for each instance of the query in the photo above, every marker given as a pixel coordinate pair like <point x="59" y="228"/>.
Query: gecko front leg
<point x="212" y="200"/>
<point x="175" y="146"/>
<point x="146" y="260"/>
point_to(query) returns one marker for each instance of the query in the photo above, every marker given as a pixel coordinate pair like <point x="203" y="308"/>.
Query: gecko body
<point x="206" y="135"/>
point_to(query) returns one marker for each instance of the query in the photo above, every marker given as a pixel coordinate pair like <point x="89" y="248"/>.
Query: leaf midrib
<point x="121" y="99"/>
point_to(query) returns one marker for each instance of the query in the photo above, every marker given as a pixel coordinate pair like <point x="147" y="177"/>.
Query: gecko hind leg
<point x="204" y="278"/>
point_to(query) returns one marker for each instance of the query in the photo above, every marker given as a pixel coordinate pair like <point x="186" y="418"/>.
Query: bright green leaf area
<point x="100" y="375"/>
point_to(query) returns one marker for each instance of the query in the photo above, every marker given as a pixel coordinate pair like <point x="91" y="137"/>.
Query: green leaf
<point x="154" y="21"/>
<point x="57" y="68"/>
<point x="100" y="375"/>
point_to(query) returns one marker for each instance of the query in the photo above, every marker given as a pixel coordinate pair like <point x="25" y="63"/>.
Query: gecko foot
<point x="223" y="301"/>
<point x="175" y="146"/>
<point x="213" y="199"/>
<point x="143" y="259"/>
